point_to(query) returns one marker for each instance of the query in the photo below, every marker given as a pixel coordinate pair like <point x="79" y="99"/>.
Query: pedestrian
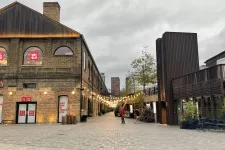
<point x="122" y="116"/>
<point x="137" y="115"/>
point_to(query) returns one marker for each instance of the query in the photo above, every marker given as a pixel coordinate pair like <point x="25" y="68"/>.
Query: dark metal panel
<point x="180" y="53"/>
<point x="21" y="21"/>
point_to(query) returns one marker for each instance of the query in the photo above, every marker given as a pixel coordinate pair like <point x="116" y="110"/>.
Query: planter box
<point x="183" y="125"/>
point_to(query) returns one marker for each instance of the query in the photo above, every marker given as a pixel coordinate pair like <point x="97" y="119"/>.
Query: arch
<point x="3" y="56"/>
<point x="33" y="56"/>
<point x="63" y="51"/>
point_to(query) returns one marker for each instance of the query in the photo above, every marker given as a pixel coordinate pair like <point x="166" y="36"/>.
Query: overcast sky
<point x="116" y="30"/>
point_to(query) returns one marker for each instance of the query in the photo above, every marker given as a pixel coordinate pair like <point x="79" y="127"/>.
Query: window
<point x="29" y="85"/>
<point x="63" y="51"/>
<point x="1" y="83"/>
<point x="84" y="61"/>
<point x="89" y="70"/>
<point x="33" y="56"/>
<point x="3" y="57"/>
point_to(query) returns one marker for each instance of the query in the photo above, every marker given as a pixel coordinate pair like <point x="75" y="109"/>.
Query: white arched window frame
<point x="3" y="57"/>
<point x="63" y="51"/>
<point x="33" y="56"/>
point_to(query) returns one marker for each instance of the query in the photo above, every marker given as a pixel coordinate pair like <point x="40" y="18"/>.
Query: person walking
<point x="137" y="114"/>
<point x="122" y="116"/>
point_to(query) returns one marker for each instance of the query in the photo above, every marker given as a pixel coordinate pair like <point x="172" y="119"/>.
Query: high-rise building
<point x="177" y="55"/>
<point x="115" y="86"/>
<point x="103" y="77"/>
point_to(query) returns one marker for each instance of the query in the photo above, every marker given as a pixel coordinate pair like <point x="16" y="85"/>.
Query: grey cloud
<point x="116" y="30"/>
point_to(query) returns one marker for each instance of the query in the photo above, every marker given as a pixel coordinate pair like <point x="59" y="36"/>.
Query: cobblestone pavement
<point x="107" y="133"/>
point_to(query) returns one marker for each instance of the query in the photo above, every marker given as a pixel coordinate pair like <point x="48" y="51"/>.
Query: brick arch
<point x="33" y="60"/>
<point x="3" y="56"/>
<point x="65" y="48"/>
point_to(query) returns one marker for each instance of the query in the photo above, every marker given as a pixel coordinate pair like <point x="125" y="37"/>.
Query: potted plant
<point x="189" y="115"/>
<point x="183" y="122"/>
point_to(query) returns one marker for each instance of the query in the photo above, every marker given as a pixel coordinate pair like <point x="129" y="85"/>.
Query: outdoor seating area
<point x="205" y="124"/>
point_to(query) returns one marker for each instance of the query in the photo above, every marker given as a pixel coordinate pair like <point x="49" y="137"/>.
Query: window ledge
<point x="32" y="65"/>
<point x="64" y="55"/>
<point x="3" y="65"/>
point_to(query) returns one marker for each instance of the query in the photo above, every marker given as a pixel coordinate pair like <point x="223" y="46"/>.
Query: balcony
<point x="204" y="82"/>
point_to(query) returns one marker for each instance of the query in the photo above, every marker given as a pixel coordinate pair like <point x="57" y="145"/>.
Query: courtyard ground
<point x="106" y="132"/>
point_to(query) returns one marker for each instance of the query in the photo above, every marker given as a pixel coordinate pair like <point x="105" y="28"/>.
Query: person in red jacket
<point x="122" y="116"/>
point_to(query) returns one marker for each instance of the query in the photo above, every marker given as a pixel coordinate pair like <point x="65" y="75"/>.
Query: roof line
<point x="214" y="56"/>
<point x="15" y="3"/>
<point x="85" y="43"/>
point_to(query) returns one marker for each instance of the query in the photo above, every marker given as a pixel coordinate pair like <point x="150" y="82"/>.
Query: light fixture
<point x="45" y="92"/>
<point x="10" y="93"/>
<point x="73" y="92"/>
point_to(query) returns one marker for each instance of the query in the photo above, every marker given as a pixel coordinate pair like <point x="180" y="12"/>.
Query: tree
<point x="123" y="92"/>
<point x="145" y="66"/>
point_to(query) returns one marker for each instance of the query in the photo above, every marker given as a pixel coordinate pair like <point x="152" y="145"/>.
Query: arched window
<point x="3" y="57"/>
<point x="33" y="56"/>
<point x="62" y="51"/>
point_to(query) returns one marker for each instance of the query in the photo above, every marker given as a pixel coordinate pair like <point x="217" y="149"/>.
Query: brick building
<point x="46" y="68"/>
<point x="115" y="86"/>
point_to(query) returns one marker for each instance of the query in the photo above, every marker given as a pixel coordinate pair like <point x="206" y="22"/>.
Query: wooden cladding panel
<point x="22" y="21"/>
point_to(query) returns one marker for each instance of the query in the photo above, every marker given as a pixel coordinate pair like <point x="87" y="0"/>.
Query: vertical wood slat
<point x="20" y="20"/>
<point x="180" y="56"/>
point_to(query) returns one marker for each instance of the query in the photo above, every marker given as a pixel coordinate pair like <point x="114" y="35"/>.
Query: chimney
<point x="52" y="10"/>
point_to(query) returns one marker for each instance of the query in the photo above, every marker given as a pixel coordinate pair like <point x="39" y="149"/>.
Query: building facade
<point x="205" y="88"/>
<point x="132" y="84"/>
<point x="115" y="86"/>
<point x="216" y="60"/>
<point x="177" y="55"/>
<point x="46" y="69"/>
<point x="103" y="77"/>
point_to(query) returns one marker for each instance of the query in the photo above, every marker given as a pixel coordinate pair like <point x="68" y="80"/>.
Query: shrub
<point x="147" y="115"/>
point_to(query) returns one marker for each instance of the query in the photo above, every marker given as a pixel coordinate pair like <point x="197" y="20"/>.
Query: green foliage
<point x="190" y="112"/>
<point x="145" y="65"/>
<point x="130" y="83"/>
<point x="138" y="100"/>
<point x="123" y="92"/>
<point x="223" y="109"/>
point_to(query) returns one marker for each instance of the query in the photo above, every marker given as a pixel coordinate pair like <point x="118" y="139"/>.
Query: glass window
<point x="3" y="57"/>
<point x="29" y="85"/>
<point x="62" y="51"/>
<point x="84" y="61"/>
<point x="33" y="56"/>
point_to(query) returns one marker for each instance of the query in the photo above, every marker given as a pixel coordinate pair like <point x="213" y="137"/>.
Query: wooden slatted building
<point x="177" y="55"/>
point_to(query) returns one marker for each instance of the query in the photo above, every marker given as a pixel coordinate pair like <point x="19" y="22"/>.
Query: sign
<point x="22" y="112"/>
<point x="33" y="55"/>
<point x="26" y="99"/>
<point x="63" y="106"/>
<point x="1" y="55"/>
<point x="31" y="112"/>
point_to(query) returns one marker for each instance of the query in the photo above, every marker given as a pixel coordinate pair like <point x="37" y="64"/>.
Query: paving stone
<point x="106" y="132"/>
